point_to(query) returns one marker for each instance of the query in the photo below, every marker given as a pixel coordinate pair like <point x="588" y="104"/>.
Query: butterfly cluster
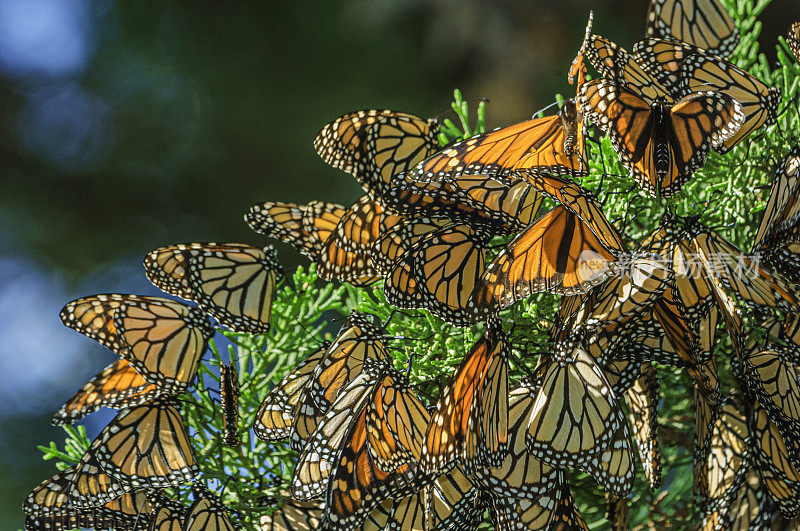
<point x="455" y="230"/>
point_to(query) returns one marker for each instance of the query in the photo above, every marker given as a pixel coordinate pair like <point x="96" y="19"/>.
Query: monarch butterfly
<point x="642" y="399"/>
<point x="793" y="38"/>
<point x="567" y="250"/>
<point x="207" y="513"/>
<point x="229" y="397"/>
<point x="306" y="227"/>
<point x="661" y="142"/>
<point x="778" y="474"/>
<point x="278" y="413"/>
<point x="376" y="145"/>
<point x="723" y="467"/>
<point x="669" y="337"/>
<point x="321" y="452"/>
<point x="694" y="71"/>
<point x="450" y="502"/>
<point x="617" y="513"/>
<point x="557" y="510"/>
<point x="343" y="458"/>
<point x="641" y="281"/>
<point x="708" y="268"/>
<point x="705" y="416"/>
<point x="117" y="386"/>
<point x="777" y="236"/>
<point x="142" y="447"/>
<point x="470" y="419"/>
<point x="703" y="23"/>
<point x="519" y="475"/>
<point x="577" y="70"/>
<point x="774" y="380"/>
<point x="379" y="147"/>
<point x="749" y="509"/>
<point x="344" y="252"/>
<point x="380" y="455"/>
<point x="294" y="515"/>
<point x="49" y="506"/>
<point x="168" y="513"/>
<point x="737" y="273"/>
<point x="161" y="339"/>
<point x="577" y="422"/>
<point x="358" y="341"/>
<point x="441" y="272"/>
<point x="535" y="143"/>
<point x="783" y="206"/>
<point x="233" y="282"/>
<point x="614" y="63"/>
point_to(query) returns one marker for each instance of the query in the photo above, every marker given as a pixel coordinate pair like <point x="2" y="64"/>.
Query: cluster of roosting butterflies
<point x="372" y="455"/>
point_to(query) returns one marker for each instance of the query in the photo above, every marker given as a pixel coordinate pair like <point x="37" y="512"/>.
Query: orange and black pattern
<point x="703" y="23"/>
<point x="469" y="425"/>
<point x="232" y="282"/>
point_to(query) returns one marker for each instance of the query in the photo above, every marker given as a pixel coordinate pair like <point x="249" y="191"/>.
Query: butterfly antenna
<point x="540" y="112"/>
<point x="388" y="319"/>
<point x="410" y="363"/>
<point x="224" y="486"/>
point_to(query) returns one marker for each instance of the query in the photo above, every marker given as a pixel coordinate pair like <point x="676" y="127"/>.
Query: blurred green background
<point x="129" y="125"/>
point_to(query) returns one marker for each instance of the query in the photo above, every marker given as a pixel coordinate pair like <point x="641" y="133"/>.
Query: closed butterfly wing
<point x="161" y="339"/>
<point x="469" y="424"/>
<point x="782" y="211"/>
<point x="515" y="203"/>
<point x="557" y="510"/>
<point x="617" y="513"/>
<point x="722" y="471"/>
<point x="703" y="23"/>
<point x="693" y="70"/>
<point x="276" y="415"/>
<point x="441" y="273"/>
<point x="639" y="284"/>
<point x="793" y="38"/>
<point x="642" y="399"/>
<point x="306" y="227"/>
<point x="396" y="422"/>
<point x="376" y="145"/>
<point x="347" y="255"/>
<point x="577" y="421"/>
<point x="750" y="508"/>
<point x="370" y="469"/>
<point x="579" y="201"/>
<point x="117" y="386"/>
<point x="741" y="275"/>
<point x="775" y="380"/>
<point x="168" y="513"/>
<point x="207" y="513"/>
<point x="142" y="447"/>
<point x="49" y="507"/>
<point x="520" y="475"/>
<point x="323" y="449"/>
<point x="234" y="283"/>
<point x="294" y="515"/>
<point x="450" y="502"/>
<point x="778" y="473"/>
<point x="358" y="341"/>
